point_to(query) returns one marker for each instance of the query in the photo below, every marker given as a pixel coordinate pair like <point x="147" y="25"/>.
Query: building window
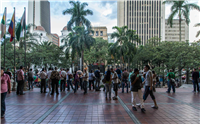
<point x="97" y="33"/>
<point x="101" y="33"/>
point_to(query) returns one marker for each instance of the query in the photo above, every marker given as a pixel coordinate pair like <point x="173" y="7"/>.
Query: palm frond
<point x="197" y="25"/>
<point x="198" y="33"/>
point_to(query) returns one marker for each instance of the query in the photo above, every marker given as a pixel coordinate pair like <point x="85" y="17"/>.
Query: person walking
<point x="171" y="81"/>
<point x="136" y="84"/>
<point x="49" y="80"/>
<point x="154" y="80"/>
<point x="125" y="75"/>
<point x="43" y="77"/>
<point x="85" y="80"/>
<point x="149" y="86"/>
<point x="63" y="80"/>
<point x="129" y="76"/>
<point x="5" y="88"/>
<point x="195" y="77"/>
<point x="8" y="72"/>
<point x="115" y="83"/>
<point x="98" y="78"/>
<point x="20" y="81"/>
<point x="108" y="85"/>
<point x="91" y="79"/>
<point x="30" y="79"/>
<point x="76" y="81"/>
<point x="55" y="78"/>
<point x="69" y="80"/>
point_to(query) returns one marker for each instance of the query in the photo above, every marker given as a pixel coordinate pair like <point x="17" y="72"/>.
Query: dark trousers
<point x="62" y="85"/>
<point x="69" y="83"/>
<point x="97" y="83"/>
<point x="43" y="85"/>
<point x="85" y="86"/>
<point x="30" y="84"/>
<point x="81" y="83"/>
<point x="147" y="92"/>
<point x="123" y="85"/>
<point x="76" y="86"/>
<point x="54" y="84"/>
<point x="195" y="85"/>
<point x="170" y="86"/>
<point x="91" y="82"/>
<point x="20" y="87"/>
<point x="3" y="104"/>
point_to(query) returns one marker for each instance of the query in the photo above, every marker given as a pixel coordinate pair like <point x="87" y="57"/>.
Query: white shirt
<point x="91" y="75"/>
<point x="49" y="74"/>
<point x="63" y="74"/>
<point x="148" y="78"/>
<point x="114" y="75"/>
<point x="43" y="75"/>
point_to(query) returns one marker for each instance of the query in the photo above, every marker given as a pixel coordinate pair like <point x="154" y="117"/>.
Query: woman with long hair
<point x="108" y="83"/>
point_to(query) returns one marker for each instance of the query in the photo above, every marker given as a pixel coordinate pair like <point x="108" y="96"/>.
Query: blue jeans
<point x="169" y="87"/>
<point x="123" y="85"/>
<point x="3" y="104"/>
<point x="108" y="89"/>
<point x="62" y="85"/>
<point x="76" y="86"/>
<point x="68" y="85"/>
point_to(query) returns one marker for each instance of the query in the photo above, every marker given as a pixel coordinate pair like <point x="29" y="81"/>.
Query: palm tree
<point x="78" y="13"/>
<point x="182" y="8"/>
<point x="124" y="36"/>
<point x="79" y="40"/>
<point x="197" y="25"/>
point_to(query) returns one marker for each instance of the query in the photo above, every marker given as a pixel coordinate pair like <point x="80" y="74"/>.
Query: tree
<point x="78" y="13"/>
<point x="197" y="25"/>
<point x="182" y="8"/>
<point x="79" y="40"/>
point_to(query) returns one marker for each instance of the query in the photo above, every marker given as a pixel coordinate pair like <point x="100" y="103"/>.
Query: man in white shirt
<point x="49" y="80"/>
<point x="43" y="77"/>
<point x="115" y="83"/>
<point x="63" y="76"/>
<point x="69" y="81"/>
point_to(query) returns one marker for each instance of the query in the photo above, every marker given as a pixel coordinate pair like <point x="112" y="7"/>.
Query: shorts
<point x="115" y="87"/>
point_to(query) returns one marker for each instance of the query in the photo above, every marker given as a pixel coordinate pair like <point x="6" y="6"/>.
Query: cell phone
<point x="138" y="75"/>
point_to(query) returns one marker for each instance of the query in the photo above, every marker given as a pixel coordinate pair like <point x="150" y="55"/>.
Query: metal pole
<point x="5" y="41"/>
<point x="25" y="36"/>
<point x="14" y="57"/>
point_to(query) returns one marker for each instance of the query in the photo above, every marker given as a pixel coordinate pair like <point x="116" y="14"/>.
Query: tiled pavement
<point x="183" y="107"/>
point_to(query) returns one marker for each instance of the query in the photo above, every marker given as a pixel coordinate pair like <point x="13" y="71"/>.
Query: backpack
<point x="96" y="73"/>
<point x="125" y="75"/>
<point x="118" y="71"/>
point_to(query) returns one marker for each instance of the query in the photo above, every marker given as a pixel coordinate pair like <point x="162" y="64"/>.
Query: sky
<point x="104" y="13"/>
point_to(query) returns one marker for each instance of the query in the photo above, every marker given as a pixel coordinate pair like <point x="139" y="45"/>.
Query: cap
<point x="135" y="70"/>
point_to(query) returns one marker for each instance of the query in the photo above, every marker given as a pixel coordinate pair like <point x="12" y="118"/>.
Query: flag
<point x="21" y="27"/>
<point x="3" y="25"/>
<point x="11" y="28"/>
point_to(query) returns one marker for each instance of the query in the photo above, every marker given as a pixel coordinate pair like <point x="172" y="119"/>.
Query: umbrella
<point x="37" y="80"/>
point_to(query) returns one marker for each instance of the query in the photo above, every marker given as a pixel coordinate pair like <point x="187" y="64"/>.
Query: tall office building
<point x="39" y="14"/>
<point x="147" y="17"/>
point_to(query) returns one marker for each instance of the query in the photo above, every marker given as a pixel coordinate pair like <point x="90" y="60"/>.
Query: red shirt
<point x="5" y="79"/>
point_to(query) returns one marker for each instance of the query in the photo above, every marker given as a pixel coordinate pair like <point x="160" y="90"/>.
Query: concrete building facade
<point x="147" y="17"/>
<point x="100" y="31"/>
<point x="172" y="33"/>
<point x="39" y="14"/>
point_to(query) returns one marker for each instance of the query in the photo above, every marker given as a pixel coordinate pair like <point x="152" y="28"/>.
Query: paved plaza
<point x="183" y="107"/>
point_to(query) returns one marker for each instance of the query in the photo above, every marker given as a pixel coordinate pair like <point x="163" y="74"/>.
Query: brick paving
<point x="183" y="107"/>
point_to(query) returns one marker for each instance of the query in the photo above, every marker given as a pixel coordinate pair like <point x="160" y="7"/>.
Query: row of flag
<point x="11" y="28"/>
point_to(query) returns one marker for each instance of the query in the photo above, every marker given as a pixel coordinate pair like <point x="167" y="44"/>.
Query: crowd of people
<point x="113" y="78"/>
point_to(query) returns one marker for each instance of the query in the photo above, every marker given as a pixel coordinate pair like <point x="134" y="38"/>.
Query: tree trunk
<point x="82" y="52"/>
<point x="187" y="76"/>
<point x="128" y="63"/>
<point x="180" y="76"/>
<point x="179" y="25"/>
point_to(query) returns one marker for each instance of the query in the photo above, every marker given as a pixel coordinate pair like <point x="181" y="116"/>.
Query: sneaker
<point x="143" y="110"/>
<point x="138" y="105"/>
<point x="155" y="107"/>
<point x="134" y="108"/>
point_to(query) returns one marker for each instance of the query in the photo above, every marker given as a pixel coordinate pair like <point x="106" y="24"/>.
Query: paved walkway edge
<point x="132" y="116"/>
<point x="51" y="109"/>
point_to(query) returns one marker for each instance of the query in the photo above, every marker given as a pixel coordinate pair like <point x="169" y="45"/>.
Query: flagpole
<point x="5" y="41"/>
<point x="14" y="56"/>
<point x="25" y="36"/>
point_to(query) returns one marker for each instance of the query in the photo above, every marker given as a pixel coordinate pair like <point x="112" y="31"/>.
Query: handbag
<point x="104" y="80"/>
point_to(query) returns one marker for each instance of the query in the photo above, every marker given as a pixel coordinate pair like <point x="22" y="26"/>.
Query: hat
<point x="2" y="68"/>
<point x="135" y="70"/>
